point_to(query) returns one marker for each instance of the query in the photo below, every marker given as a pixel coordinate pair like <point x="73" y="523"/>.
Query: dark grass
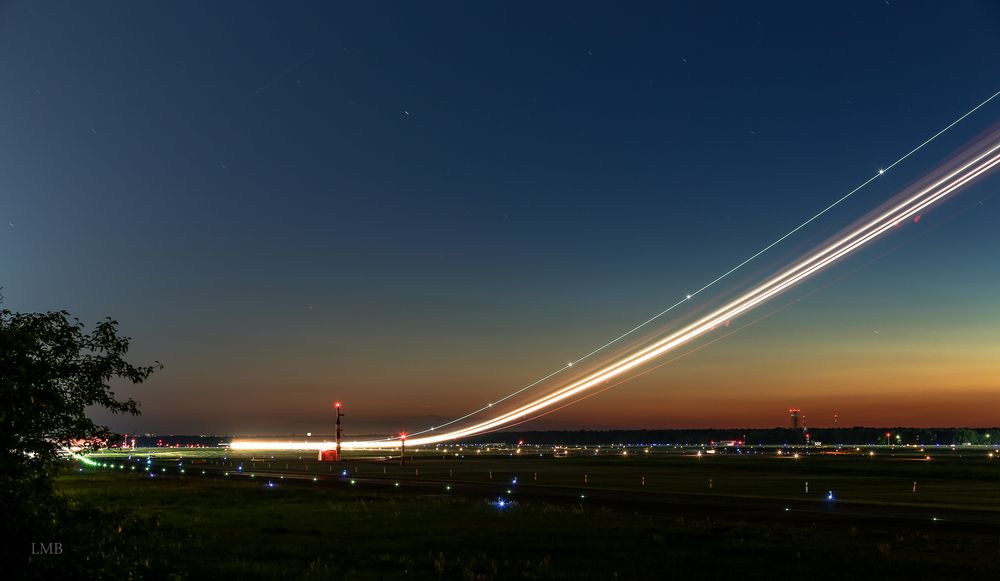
<point x="963" y="479"/>
<point x="222" y="528"/>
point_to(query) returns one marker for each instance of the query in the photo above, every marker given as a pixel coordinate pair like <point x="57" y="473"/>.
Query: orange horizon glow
<point x="905" y="207"/>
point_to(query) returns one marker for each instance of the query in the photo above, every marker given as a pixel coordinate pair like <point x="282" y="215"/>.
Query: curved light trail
<point x="717" y="279"/>
<point x="906" y="207"/>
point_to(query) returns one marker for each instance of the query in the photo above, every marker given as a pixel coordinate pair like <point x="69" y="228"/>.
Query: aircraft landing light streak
<point x="722" y="276"/>
<point x="897" y="213"/>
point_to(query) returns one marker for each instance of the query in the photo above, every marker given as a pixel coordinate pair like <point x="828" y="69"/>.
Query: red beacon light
<point x="334" y="454"/>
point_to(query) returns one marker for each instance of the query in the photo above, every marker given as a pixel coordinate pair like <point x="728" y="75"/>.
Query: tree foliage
<point x="51" y="372"/>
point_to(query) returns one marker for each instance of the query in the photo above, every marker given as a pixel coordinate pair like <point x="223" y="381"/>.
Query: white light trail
<point x="719" y="278"/>
<point x="856" y="238"/>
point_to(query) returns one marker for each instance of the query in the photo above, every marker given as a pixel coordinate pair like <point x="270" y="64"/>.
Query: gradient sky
<point x="419" y="207"/>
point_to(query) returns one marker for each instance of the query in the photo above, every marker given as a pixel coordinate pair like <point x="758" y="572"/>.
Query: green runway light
<point x="86" y="461"/>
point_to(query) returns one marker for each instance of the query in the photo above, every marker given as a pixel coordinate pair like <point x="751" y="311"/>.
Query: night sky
<point x="418" y="207"/>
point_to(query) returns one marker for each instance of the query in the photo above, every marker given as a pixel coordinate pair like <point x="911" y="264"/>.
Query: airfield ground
<point x="490" y="512"/>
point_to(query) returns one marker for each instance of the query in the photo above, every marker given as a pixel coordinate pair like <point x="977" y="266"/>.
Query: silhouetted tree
<point x="51" y="372"/>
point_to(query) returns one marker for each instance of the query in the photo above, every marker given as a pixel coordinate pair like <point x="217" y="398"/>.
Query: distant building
<point x="796" y="417"/>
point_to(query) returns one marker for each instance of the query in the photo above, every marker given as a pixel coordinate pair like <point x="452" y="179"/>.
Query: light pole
<point x="402" y="449"/>
<point x="339" y="432"/>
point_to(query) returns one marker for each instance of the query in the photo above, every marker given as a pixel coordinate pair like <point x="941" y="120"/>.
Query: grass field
<point x="944" y="477"/>
<point x="695" y="517"/>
